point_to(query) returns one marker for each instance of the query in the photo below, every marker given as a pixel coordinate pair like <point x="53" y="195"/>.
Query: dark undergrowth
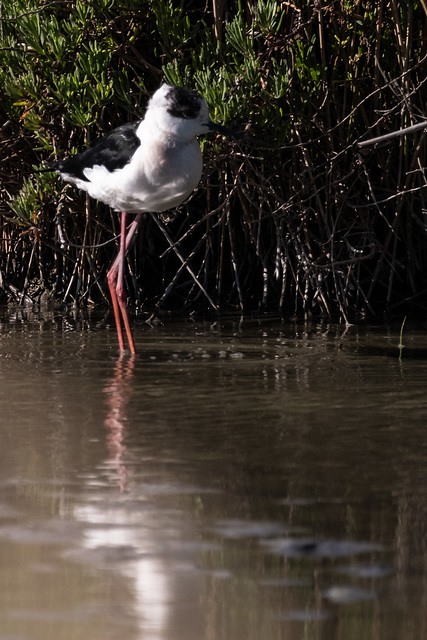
<point x="304" y="223"/>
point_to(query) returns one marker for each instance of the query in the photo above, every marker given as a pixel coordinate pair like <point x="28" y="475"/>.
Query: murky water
<point x="233" y="482"/>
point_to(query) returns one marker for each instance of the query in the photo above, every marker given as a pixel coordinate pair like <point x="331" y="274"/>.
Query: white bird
<point x="147" y="166"/>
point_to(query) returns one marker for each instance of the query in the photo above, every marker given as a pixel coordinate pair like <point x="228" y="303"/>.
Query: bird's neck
<point x="151" y="129"/>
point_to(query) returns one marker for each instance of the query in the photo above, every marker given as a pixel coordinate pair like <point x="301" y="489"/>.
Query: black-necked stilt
<point x="148" y="166"/>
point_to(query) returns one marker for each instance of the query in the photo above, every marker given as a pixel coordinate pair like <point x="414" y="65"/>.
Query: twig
<point x="394" y="134"/>
<point x="184" y="262"/>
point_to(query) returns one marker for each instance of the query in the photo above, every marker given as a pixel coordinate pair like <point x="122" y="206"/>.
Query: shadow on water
<point x="235" y="480"/>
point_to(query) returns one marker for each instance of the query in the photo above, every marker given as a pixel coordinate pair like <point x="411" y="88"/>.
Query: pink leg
<point x="116" y="283"/>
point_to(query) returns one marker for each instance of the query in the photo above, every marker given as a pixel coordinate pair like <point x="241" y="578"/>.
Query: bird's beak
<point x="213" y="126"/>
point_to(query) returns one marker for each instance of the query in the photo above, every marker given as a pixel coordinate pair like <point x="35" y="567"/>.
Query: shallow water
<point x="233" y="481"/>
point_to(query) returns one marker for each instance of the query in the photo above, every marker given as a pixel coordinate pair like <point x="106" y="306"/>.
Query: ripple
<point x="347" y="594"/>
<point x="310" y="547"/>
<point x="365" y="571"/>
<point x="235" y="528"/>
<point x="302" y="615"/>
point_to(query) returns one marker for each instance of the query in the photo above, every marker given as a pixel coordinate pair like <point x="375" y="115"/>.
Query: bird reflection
<point x="118" y="391"/>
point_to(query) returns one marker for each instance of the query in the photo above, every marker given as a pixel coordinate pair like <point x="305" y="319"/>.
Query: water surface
<point x="234" y="481"/>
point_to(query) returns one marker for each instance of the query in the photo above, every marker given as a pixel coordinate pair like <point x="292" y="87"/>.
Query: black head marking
<point x="184" y="103"/>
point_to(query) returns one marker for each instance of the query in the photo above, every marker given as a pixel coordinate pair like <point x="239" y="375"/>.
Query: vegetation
<point x="304" y="223"/>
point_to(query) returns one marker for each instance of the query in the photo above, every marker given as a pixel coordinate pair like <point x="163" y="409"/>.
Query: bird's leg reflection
<point x="118" y="391"/>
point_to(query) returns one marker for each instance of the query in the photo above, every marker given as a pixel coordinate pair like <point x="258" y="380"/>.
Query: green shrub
<point x="304" y="224"/>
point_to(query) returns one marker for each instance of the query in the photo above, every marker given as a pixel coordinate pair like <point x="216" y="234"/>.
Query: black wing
<point x="113" y="151"/>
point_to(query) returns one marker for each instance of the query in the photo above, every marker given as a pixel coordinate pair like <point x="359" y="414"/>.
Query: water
<point x="235" y="481"/>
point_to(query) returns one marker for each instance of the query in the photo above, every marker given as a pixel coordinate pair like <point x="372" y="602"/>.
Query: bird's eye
<point x="188" y="113"/>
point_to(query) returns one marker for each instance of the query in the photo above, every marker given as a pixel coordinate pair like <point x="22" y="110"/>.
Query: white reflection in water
<point x="125" y="539"/>
<point x="113" y="541"/>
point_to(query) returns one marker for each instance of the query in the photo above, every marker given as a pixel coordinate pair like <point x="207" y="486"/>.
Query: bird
<point x="150" y="165"/>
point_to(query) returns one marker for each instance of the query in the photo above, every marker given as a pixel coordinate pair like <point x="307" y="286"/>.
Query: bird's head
<point x="178" y="112"/>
